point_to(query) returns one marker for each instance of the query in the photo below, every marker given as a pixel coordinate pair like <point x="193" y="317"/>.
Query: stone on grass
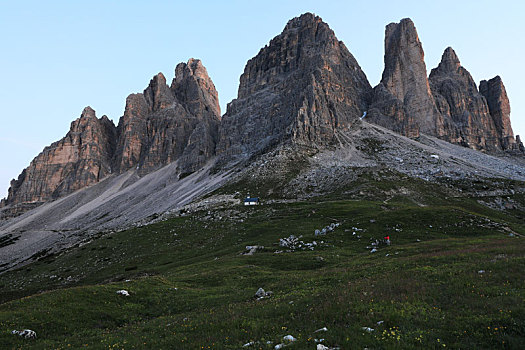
<point x="261" y="294"/>
<point x="289" y="338"/>
<point x="123" y="292"/>
<point x="26" y="333"/>
<point x="251" y="249"/>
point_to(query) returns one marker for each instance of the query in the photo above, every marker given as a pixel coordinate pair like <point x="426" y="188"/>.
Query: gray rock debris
<point x="261" y="294"/>
<point x="26" y="333"/>
<point x="251" y="249"/>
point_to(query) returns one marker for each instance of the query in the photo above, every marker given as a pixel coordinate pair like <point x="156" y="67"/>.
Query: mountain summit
<point x="302" y="87"/>
<point x="403" y="101"/>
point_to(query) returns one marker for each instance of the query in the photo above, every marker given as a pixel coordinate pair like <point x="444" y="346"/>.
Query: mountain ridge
<point x="303" y="88"/>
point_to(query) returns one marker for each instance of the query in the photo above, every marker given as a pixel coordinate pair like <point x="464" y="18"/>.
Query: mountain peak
<point x="405" y="28"/>
<point x="157" y="94"/>
<point x="305" y="20"/>
<point x="449" y="61"/>
<point x="88" y="112"/>
<point x="301" y="88"/>
<point x="193" y="87"/>
<point x="403" y="100"/>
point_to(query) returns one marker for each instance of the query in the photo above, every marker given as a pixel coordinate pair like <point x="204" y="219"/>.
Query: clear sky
<point x="56" y="57"/>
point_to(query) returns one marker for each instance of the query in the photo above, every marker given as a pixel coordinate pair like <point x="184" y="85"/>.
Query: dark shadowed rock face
<point x="166" y="124"/>
<point x="80" y="159"/>
<point x="403" y="101"/>
<point x="193" y="88"/>
<point x="302" y="87"/>
<point x="519" y="145"/>
<point x="460" y="103"/>
<point x="499" y="107"/>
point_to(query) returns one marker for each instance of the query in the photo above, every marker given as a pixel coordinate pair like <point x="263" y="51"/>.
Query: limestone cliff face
<point x="195" y="90"/>
<point x="302" y="87"/>
<point x="193" y="87"/>
<point x="403" y="101"/>
<point x="460" y="103"/>
<point x="165" y="124"/>
<point x="159" y="126"/>
<point x="499" y="108"/>
<point x="447" y="104"/>
<point x="78" y="160"/>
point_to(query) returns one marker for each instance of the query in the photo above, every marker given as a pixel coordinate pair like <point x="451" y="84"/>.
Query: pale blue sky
<point x="56" y="57"/>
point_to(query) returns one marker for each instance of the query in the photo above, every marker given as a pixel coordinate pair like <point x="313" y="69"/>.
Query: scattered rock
<point x="251" y="249"/>
<point x="26" y="333"/>
<point x="261" y="294"/>
<point x="290" y="242"/>
<point x="289" y="338"/>
<point x="123" y="292"/>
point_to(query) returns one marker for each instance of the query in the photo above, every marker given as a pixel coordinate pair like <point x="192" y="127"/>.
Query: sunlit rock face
<point x="159" y="126"/>
<point x="78" y="160"/>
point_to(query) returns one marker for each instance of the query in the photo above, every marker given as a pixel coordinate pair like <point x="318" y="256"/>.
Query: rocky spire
<point x="403" y="100"/>
<point x="132" y="129"/>
<point x="462" y="106"/>
<point x="157" y="94"/>
<point x="302" y="87"/>
<point x="193" y="87"/>
<point x="449" y="62"/>
<point x="499" y="107"/>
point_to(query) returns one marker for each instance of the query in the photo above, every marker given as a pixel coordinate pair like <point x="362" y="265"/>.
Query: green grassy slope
<point x="192" y="289"/>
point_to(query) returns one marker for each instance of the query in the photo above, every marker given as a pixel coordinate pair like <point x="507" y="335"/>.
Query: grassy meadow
<point x="452" y="277"/>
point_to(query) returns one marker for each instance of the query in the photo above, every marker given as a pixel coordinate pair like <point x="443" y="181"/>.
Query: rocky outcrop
<point x="303" y="87"/>
<point x="499" y="108"/>
<point x="461" y="104"/>
<point x="403" y="101"/>
<point x="80" y="159"/>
